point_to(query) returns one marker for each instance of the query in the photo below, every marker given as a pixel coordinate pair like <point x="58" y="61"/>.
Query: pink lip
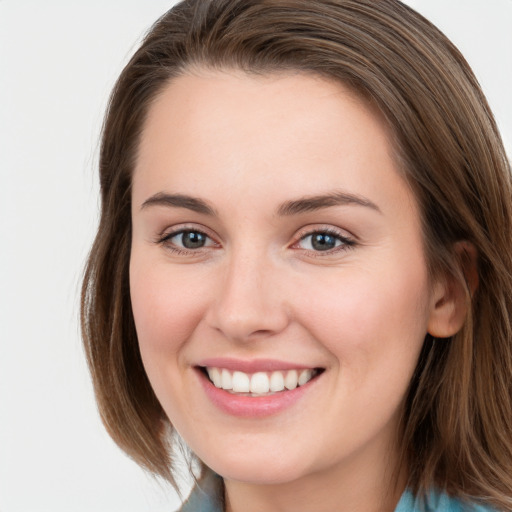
<point x="253" y="366"/>
<point x="253" y="407"/>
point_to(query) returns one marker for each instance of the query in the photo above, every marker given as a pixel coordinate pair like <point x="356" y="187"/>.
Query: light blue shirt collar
<point x="207" y="497"/>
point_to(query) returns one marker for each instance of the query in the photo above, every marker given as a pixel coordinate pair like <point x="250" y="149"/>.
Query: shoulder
<point x="438" y="502"/>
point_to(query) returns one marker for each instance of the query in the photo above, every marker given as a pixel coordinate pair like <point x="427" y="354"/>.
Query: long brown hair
<point x="457" y="421"/>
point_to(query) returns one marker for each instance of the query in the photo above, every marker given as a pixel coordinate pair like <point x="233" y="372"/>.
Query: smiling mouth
<point x="259" y="383"/>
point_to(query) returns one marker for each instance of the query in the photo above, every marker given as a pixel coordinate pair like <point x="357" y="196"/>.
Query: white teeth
<point x="305" y="376"/>
<point x="276" y="382"/>
<point x="226" y="380"/>
<point x="290" y="381"/>
<point x="241" y="382"/>
<point x="215" y="376"/>
<point x="259" y="383"/>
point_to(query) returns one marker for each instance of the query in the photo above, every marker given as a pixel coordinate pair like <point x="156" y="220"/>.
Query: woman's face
<point x="275" y="244"/>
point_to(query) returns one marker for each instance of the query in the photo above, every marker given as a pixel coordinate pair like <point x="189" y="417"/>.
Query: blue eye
<point x="322" y="241"/>
<point x="192" y="239"/>
<point x="188" y="239"/>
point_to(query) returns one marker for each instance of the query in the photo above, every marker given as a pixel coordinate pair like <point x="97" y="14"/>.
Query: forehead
<point x="222" y="131"/>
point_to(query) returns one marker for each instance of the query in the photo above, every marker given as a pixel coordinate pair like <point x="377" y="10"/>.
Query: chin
<point x="258" y="474"/>
<point x="266" y="469"/>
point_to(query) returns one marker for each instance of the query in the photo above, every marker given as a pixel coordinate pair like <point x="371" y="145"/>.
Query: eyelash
<point x="346" y="242"/>
<point x="167" y="237"/>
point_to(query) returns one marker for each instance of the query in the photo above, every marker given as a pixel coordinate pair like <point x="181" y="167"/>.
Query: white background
<point x="58" y="61"/>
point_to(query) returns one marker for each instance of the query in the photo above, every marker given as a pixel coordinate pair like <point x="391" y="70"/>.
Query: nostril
<point x="248" y="306"/>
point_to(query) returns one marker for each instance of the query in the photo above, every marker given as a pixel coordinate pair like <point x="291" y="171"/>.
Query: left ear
<point x="452" y="294"/>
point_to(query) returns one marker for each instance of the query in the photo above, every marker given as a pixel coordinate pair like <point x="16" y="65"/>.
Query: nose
<point x="250" y="301"/>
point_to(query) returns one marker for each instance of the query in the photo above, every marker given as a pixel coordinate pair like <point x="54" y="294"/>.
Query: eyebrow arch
<point x="179" y="201"/>
<point x="313" y="203"/>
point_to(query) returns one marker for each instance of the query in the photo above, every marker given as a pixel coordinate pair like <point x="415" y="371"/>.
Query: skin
<point x="258" y="289"/>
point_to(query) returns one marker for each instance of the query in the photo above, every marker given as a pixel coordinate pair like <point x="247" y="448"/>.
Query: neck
<point x="356" y="486"/>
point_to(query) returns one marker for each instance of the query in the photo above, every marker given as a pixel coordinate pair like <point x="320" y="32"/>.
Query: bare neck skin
<point x="363" y="484"/>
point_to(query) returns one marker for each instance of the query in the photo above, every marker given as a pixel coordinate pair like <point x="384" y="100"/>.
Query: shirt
<point x="207" y="497"/>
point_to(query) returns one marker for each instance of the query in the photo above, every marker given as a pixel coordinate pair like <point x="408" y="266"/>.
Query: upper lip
<point x="254" y="365"/>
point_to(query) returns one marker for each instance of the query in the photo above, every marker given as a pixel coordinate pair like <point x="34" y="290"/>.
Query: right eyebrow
<point x="318" y="202"/>
<point x="179" y="201"/>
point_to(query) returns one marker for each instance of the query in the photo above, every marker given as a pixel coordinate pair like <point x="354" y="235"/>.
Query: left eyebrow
<point x="313" y="203"/>
<point x="179" y="201"/>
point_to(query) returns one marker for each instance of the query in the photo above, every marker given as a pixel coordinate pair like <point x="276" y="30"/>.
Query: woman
<point x="303" y="261"/>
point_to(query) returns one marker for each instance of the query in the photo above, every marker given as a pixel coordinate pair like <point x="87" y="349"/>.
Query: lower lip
<point x="254" y="406"/>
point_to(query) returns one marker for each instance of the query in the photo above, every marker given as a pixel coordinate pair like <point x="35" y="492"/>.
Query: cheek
<point x="166" y="308"/>
<point x="370" y="317"/>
